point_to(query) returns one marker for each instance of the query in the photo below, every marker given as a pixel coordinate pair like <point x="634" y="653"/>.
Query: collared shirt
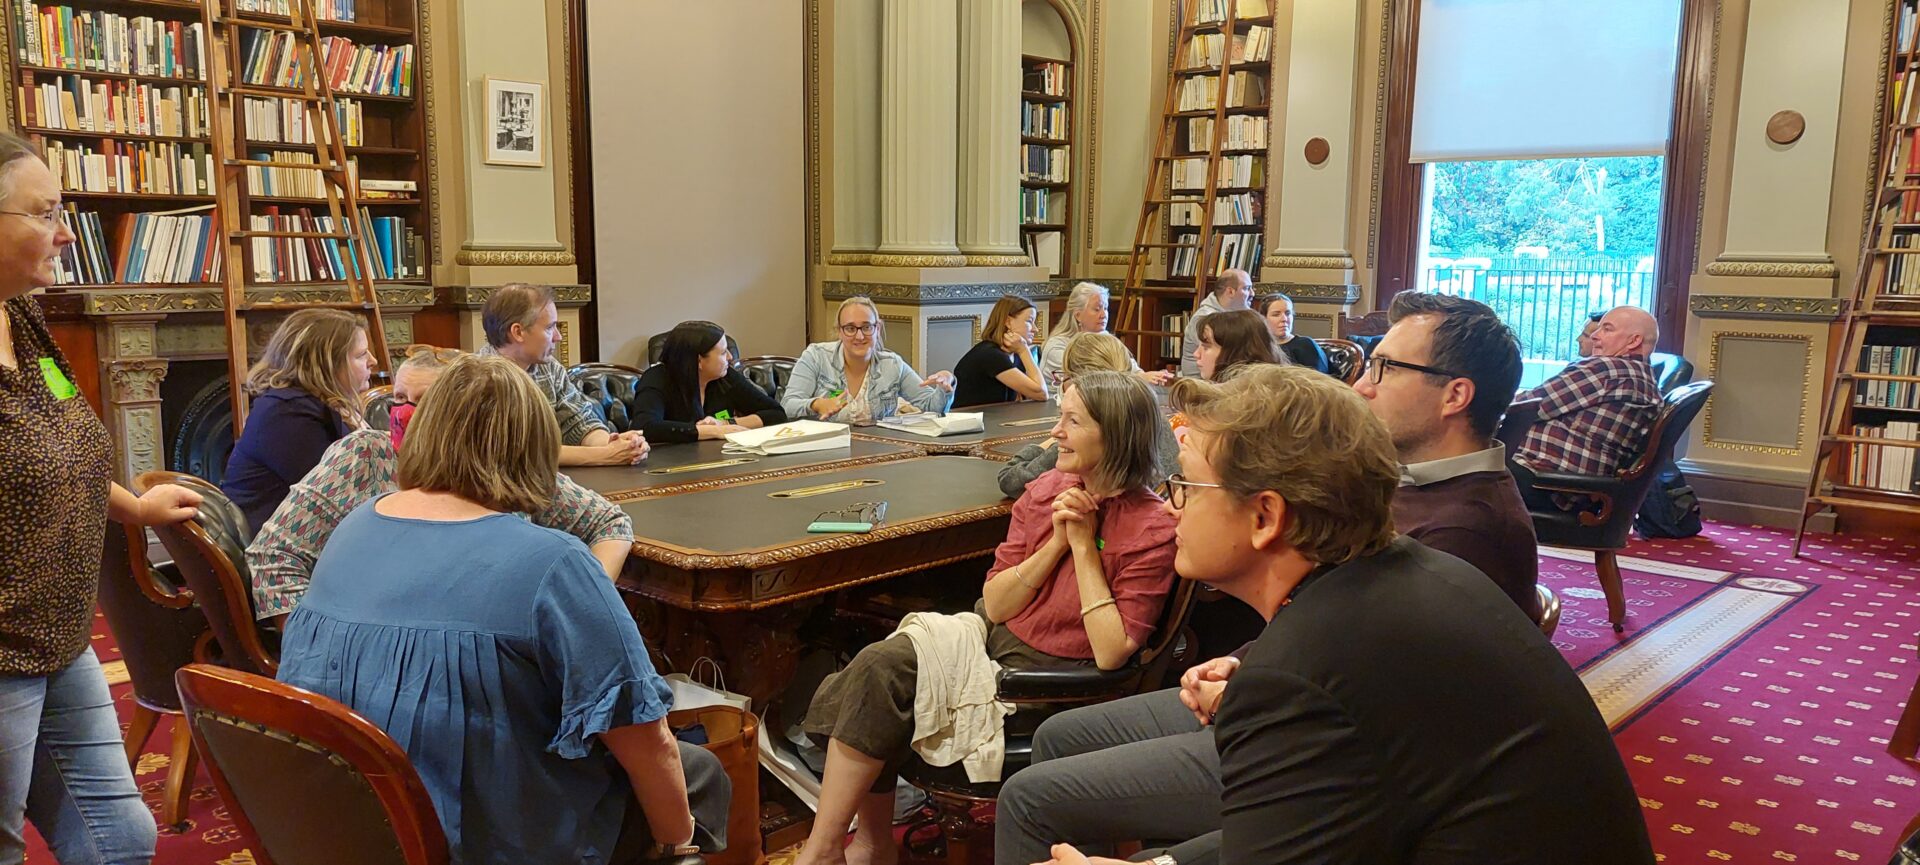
<point x="1493" y="459"/>
<point x="822" y="370"/>
<point x="1594" y="416"/>
<point x="359" y="468"/>
<point x="576" y="413"/>
<point x="1190" y="341"/>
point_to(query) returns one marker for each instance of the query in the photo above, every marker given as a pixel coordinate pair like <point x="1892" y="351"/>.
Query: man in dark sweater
<point x="1397" y="710"/>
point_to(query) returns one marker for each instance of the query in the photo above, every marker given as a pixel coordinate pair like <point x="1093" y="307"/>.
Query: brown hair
<point x="514" y="303"/>
<point x="1008" y="306"/>
<point x="1309" y="438"/>
<point x="1243" y="338"/>
<point x="1092" y="352"/>
<point x="309" y="350"/>
<point x="13" y="148"/>
<point x="1123" y="407"/>
<point x="484" y="433"/>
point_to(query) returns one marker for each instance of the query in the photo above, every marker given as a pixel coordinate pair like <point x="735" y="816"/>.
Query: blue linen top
<point x="493" y="651"/>
<point x="821" y="370"/>
<point x="288" y="429"/>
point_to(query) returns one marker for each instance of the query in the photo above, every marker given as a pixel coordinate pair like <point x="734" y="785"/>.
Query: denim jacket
<point x="822" y="370"/>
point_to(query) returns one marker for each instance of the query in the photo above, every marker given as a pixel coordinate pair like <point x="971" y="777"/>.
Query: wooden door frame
<point x="1397" y="244"/>
<point x="580" y="146"/>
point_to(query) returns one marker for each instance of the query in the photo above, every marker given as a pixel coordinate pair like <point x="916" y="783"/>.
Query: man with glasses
<point x="1396" y="710"/>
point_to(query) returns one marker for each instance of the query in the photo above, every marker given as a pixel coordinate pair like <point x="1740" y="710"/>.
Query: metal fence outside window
<point x="1545" y="301"/>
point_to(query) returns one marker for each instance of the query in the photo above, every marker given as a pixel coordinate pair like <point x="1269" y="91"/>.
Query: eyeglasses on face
<point x="1174" y="490"/>
<point x="1377" y="368"/>
<point x="857" y="329"/>
<point x="50" y="220"/>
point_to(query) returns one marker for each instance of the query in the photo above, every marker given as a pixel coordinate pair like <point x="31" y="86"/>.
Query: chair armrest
<point x="1600" y="488"/>
<point x="1066" y="684"/>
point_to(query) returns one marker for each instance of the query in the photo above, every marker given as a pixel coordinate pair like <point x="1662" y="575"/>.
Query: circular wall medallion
<point x="1317" y="150"/>
<point x="1786" y="127"/>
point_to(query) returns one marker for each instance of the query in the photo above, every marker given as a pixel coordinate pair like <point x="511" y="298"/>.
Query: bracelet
<point x="1015" y="570"/>
<point x="1103" y="602"/>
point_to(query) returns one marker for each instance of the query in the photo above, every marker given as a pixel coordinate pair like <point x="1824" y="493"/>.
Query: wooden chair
<point x="1603" y="525"/>
<point x="1370" y="324"/>
<point x="1346" y="360"/>
<point x="1549" y="610"/>
<point x="210" y="551"/>
<point x="159" y="630"/>
<point x="307" y="780"/>
<point x="769" y="372"/>
<point x="1171" y="648"/>
<point x="611" y="386"/>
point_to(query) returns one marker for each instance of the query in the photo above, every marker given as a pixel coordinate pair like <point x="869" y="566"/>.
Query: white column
<point x="989" y="229"/>
<point x="919" y="107"/>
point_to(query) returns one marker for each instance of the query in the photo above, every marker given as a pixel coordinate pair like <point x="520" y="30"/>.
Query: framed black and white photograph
<point x="515" y="131"/>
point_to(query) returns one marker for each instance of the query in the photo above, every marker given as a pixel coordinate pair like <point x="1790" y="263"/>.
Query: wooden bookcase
<point x="1046" y="160"/>
<point x="391" y="145"/>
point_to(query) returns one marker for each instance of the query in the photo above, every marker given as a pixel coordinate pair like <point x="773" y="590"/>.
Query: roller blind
<point x="1538" y="79"/>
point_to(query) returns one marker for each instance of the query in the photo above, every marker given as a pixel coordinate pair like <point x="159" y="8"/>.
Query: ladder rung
<point x="328" y="235"/>
<point x="281" y="307"/>
<point x="1850" y="501"/>
<point x="1887" y="314"/>
<point x="269" y="163"/>
<point x="1880" y="376"/>
<point x="273" y="93"/>
<point x="1863" y="440"/>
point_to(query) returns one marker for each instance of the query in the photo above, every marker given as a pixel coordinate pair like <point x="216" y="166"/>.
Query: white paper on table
<point x="935" y="426"/>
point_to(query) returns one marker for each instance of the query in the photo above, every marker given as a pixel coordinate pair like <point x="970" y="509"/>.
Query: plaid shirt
<point x="1594" y="416"/>
<point x="355" y="470"/>
<point x="577" y="414"/>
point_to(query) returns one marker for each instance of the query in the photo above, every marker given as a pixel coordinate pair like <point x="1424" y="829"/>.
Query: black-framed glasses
<point x="1174" y="490"/>
<point x="862" y="327"/>
<point x="1377" y="368"/>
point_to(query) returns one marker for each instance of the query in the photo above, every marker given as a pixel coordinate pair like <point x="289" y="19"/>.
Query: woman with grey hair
<point x="1086" y="312"/>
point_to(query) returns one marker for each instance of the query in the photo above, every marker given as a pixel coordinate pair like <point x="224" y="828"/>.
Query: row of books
<point x="1244" y="132"/>
<point x="1173" y="323"/>
<point x="1247" y="170"/>
<point x="1043" y="119"/>
<point x="84" y="262"/>
<point x="279" y="182"/>
<point x="1209" y="50"/>
<point x="1045" y="77"/>
<point x="1881" y="467"/>
<point x="1215" y="11"/>
<point x="1242" y="208"/>
<point x="1888" y="360"/>
<point x="395" y="249"/>
<point x="1903" y="268"/>
<point x="1245" y="89"/>
<point x="285" y="121"/>
<point x="131" y="167"/>
<point x="65" y="38"/>
<point x="79" y="104"/>
<point x="1041" y="163"/>
<point x="1040" y="207"/>
<point x="1237" y="251"/>
<point x="153" y="247"/>
<point x="325" y="10"/>
<point x="270" y="59"/>
<point x="1904" y="27"/>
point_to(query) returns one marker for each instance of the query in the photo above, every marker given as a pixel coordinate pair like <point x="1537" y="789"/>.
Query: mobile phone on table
<point x="858" y="518"/>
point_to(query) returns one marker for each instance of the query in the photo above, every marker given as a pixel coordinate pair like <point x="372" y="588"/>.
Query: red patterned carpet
<point x="1751" y="696"/>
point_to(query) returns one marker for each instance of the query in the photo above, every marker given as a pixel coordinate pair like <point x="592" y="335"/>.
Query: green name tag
<point x="56" y="380"/>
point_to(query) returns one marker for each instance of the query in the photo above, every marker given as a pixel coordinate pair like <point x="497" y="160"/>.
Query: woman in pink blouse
<point x="1081" y="579"/>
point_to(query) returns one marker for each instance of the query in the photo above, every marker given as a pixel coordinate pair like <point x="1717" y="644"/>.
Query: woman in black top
<point x="694" y="392"/>
<point x="1001" y="367"/>
<point x="1302" y="350"/>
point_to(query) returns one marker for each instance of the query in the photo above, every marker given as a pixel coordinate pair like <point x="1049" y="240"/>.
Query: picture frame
<point x="516" y="129"/>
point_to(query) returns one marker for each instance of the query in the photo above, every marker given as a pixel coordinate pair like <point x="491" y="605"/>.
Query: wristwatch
<point x="662" y="851"/>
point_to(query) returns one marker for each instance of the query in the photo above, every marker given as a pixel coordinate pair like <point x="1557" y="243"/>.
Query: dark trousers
<point x="709" y="797"/>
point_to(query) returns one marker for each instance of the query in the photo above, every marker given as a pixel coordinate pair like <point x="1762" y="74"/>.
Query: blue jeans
<point x="63" y="766"/>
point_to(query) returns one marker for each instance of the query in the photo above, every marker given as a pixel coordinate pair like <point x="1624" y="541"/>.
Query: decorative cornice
<point x="913" y="295"/>
<point x="849" y="258"/>
<point x="813" y="73"/>
<point x="476" y="295"/>
<point x="892" y="259"/>
<point x="120" y="302"/>
<point x="513" y="258"/>
<point x="1309" y="262"/>
<point x="1746" y="306"/>
<point x="1777" y="269"/>
<point x="1341" y="293"/>
<point x="1112" y="258"/>
<point x="986" y="260"/>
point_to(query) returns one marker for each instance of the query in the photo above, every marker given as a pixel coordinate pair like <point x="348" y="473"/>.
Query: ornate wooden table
<point x="679" y="468"/>
<point x="1007" y="421"/>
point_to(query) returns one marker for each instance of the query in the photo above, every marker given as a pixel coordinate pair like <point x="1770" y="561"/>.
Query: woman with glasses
<point x="1080" y="580"/>
<point x="61" y="762"/>
<point x="855" y="379"/>
<point x="1229" y="339"/>
<point x="695" y="392"/>
<point x="1085" y="353"/>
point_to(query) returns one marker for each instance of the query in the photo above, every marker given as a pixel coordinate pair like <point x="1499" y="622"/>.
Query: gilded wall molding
<point x="1806" y="377"/>
<point x="849" y="258"/>
<point x="895" y="259"/>
<point x="117" y="302"/>
<point x="1379" y="130"/>
<point x="936" y="294"/>
<point x="433" y="138"/>
<point x="475" y="296"/>
<point x="973" y="320"/>
<point x="514" y="258"/>
<point x="1746" y="306"/>
<point x="1872" y="185"/>
<point x="1342" y="293"/>
<point x="1309" y="262"/>
<point x="813" y="73"/>
<point x="1090" y="160"/>
<point x="1773" y="268"/>
<point x="984" y="260"/>
<point x="1112" y="258"/>
<point x="1706" y="140"/>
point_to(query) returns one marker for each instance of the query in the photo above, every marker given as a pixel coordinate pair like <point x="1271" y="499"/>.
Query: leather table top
<point x="678" y="468"/>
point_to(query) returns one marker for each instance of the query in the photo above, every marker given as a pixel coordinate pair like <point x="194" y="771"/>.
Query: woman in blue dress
<point x="496" y="653"/>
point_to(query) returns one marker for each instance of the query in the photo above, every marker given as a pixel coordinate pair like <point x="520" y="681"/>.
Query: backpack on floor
<point x="1671" y="510"/>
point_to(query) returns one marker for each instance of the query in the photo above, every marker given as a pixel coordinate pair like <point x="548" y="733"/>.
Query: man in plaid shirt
<point x="1595" y="415"/>
<point x="523" y="326"/>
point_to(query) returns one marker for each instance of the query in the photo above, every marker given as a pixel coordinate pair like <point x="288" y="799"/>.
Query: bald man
<point x="1232" y="289"/>
<point x="1595" y="415"/>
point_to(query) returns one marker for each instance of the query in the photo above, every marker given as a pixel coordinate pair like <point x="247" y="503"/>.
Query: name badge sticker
<point x="56" y="380"/>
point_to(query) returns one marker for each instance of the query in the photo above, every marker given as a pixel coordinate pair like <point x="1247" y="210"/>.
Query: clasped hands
<point x="624" y="449"/>
<point x="1076" y="519"/>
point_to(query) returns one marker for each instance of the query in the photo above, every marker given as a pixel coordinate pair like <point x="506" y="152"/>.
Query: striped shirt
<point x="1594" y="417"/>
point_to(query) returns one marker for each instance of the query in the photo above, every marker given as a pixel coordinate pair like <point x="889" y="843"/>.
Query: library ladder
<point x="227" y="88"/>
<point x="1886" y="296"/>
<point x="1153" y="222"/>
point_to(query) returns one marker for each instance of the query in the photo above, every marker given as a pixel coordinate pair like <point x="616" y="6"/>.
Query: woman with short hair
<point x="855" y="379"/>
<point x="1001" y="366"/>
<point x="495" y="652"/>
<point x="306" y="390"/>
<point x="1086" y="353"/>
<point x="1229" y="339"/>
<point x="1302" y="350"/>
<point x="696" y="393"/>
<point x="1081" y="579"/>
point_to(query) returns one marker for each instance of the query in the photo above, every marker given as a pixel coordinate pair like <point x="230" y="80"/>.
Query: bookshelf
<point x="1046" y="160"/>
<point x="1869" y="451"/>
<point x="1205" y="210"/>
<point x="115" y="92"/>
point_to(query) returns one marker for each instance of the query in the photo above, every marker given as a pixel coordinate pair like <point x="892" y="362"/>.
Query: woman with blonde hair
<point x="495" y="652"/>
<point x="306" y="395"/>
<point x="856" y="379"/>
<point x="1086" y="353"/>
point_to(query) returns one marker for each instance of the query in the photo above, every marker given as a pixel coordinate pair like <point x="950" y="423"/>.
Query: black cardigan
<point x="734" y="394"/>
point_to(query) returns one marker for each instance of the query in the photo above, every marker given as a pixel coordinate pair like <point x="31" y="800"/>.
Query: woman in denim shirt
<point x="855" y="380"/>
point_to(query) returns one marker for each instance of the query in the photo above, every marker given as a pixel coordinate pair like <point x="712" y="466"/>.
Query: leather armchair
<point x="769" y="372"/>
<point x="611" y="386"/>
<point x="658" y="343"/>
<point x="210" y="550"/>
<point x="1603" y="524"/>
<point x="377" y="404"/>
<point x="1346" y="359"/>
<point x="1670" y="370"/>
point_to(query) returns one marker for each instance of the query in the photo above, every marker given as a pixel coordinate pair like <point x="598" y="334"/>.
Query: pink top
<point x="1137" y="559"/>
